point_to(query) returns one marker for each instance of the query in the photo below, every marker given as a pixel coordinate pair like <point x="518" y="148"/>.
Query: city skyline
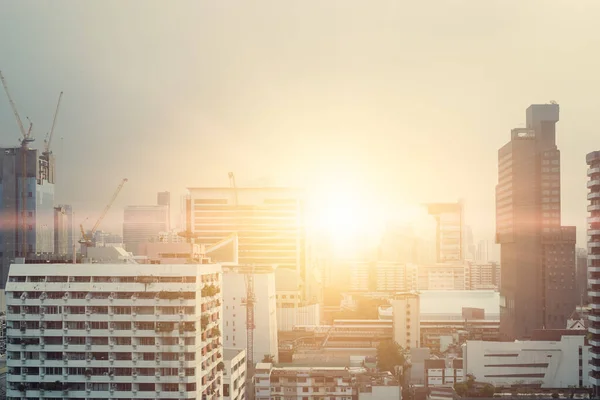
<point x="196" y="115"/>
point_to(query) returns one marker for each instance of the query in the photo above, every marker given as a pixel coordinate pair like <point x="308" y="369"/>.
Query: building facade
<point x="549" y="364"/>
<point x="449" y="232"/>
<point x="265" y="314"/>
<point x="143" y="223"/>
<point x="26" y="204"/>
<point x="593" y="266"/>
<point x="582" y="275"/>
<point x="269" y="223"/>
<point x="234" y="374"/>
<point x="406" y="320"/>
<point x="538" y="288"/>
<point x="482" y="276"/>
<point x="445" y="276"/>
<point x="164" y="199"/>
<point x="383" y="276"/>
<point x="123" y="331"/>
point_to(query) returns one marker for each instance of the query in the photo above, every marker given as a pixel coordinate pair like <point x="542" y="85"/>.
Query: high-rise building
<point x="593" y="266"/>
<point x="26" y="204"/>
<point x="61" y="231"/>
<point x="537" y="288"/>
<point x="119" y="331"/>
<point x="482" y="252"/>
<point x="143" y="223"/>
<point x="449" y="231"/>
<point x="164" y="199"/>
<point x="582" y="276"/>
<point x="265" y="313"/>
<point x="269" y="223"/>
<point x="406" y="320"/>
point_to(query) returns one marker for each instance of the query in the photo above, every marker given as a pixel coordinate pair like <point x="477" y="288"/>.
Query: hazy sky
<point x="407" y="101"/>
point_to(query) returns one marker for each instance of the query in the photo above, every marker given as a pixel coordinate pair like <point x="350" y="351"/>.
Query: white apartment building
<point x="383" y="277"/>
<point x="406" y="322"/>
<point x="442" y="277"/>
<point x="99" y="331"/>
<point x="482" y="276"/>
<point x="290" y="317"/>
<point x="269" y="223"/>
<point x="234" y="374"/>
<point x="317" y="383"/>
<point x="551" y="364"/>
<point x="301" y="383"/>
<point x="265" y="314"/>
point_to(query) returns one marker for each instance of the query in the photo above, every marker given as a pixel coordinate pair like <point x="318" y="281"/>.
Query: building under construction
<point x="26" y="204"/>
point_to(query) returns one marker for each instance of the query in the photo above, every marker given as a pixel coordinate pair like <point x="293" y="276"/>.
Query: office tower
<point x="61" y="231"/>
<point x="164" y="199"/>
<point x="118" y="331"/>
<point x="26" y="204"/>
<point x="143" y="223"/>
<point x="582" y="276"/>
<point x="537" y="288"/>
<point x="265" y="313"/>
<point x="482" y="252"/>
<point x="449" y="231"/>
<point x="269" y="223"/>
<point x="68" y="210"/>
<point x="593" y="257"/>
<point x="406" y="319"/>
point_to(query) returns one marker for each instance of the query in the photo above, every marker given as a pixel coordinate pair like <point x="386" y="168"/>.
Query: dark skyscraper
<point x="538" y="288"/>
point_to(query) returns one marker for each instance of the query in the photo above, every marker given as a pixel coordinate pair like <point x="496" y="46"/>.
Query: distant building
<point x="538" y="288"/>
<point x="27" y="216"/>
<point x="560" y="363"/>
<point x="593" y="264"/>
<point x="66" y="225"/>
<point x="443" y="371"/>
<point x="482" y="252"/>
<point x="290" y="317"/>
<point x="269" y="223"/>
<point x="107" y="239"/>
<point x="582" y="275"/>
<point x="442" y="276"/>
<point x="482" y="276"/>
<point x="406" y="319"/>
<point x="449" y="231"/>
<point x="164" y="199"/>
<point x="234" y="374"/>
<point x="382" y="277"/>
<point x="61" y="231"/>
<point x="143" y="223"/>
<point x="265" y="314"/>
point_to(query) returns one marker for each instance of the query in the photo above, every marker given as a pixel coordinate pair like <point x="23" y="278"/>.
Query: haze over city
<point x="399" y="102"/>
<point x="299" y="200"/>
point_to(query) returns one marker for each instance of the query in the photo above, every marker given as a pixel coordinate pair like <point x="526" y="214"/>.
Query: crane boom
<point x="48" y="139"/>
<point x="14" y="108"/>
<point x="233" y="186"/>
<point x="108" y="206"/>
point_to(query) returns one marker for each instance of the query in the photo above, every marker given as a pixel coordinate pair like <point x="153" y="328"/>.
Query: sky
<point x="396" y="102"/>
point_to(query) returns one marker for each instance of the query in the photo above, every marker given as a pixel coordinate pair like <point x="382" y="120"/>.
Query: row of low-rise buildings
<point x="390" y="277"/>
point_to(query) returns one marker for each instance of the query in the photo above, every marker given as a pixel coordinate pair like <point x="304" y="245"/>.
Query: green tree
<point x="488" y="390"/>
<point x="389" y="355"/>
<point x="461" y="389"/>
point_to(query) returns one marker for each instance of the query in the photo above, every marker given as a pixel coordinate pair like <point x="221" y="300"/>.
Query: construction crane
<point x="249" y="302"/>
<point x="25" y="140"/>
<point x="49" y="135"/>
<point x="86" y="239"/>
<point x="233" y="186"/>
<point x="26" y="135"/>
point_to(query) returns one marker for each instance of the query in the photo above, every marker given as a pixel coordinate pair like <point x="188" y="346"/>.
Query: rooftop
<point x="230" y="353"/>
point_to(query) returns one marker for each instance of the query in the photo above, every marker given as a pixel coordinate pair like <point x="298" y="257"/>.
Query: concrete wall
<point x="287" y="318"/>
<point x="551" y="364"/>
